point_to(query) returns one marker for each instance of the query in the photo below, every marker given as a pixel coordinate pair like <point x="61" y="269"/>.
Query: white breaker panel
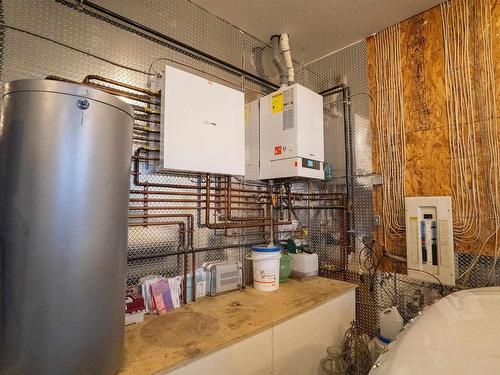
<point x="429" y="239"/>
<point x="291" y="134"/>
<point x="202" y="125"/>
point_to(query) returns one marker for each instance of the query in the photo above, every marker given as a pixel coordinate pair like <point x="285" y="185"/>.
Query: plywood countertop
<point x="165" y="342"/>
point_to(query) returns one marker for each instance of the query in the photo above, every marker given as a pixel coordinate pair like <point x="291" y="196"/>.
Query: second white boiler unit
<point x="291" y="134"/>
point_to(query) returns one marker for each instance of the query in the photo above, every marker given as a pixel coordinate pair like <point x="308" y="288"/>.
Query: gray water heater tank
<point x="64" y="185"/>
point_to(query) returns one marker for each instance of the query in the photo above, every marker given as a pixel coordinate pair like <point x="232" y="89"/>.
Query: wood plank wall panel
<point x="428" y="155"/>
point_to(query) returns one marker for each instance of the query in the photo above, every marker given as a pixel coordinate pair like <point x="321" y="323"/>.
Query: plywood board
<point x="428" y="160"/>
<point x="165" y="342"/>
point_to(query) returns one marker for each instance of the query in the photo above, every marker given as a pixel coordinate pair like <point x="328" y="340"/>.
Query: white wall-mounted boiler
<point x="202" y="125"/>
<point x="291" y="134"/>
<point x="429" y="239"/>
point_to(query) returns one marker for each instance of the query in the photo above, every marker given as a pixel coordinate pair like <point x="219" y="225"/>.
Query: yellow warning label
<point x="277" y="103"/>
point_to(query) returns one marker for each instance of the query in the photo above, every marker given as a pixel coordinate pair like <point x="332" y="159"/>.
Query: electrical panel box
<point x="202" y="125"/>
<point x="429" y="239"/>
<point x="291" y="134"/>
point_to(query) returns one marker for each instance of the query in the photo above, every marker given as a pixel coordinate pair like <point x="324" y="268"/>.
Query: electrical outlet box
<point x="429" y="239"/>
<point x="202" y="125"/>
<point x="291" y="134"/>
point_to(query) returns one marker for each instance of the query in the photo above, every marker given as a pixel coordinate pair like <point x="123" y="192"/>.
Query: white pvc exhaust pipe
<point x="285" y="51"/>
<point x="277" y="61"/>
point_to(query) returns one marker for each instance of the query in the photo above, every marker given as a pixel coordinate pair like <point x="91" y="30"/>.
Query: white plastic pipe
<point x="277" y="61"/>
<point x="285" y="51"/>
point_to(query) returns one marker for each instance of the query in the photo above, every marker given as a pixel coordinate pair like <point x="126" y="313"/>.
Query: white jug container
<point x="391" y="323"/>
<point x="304" y="265"/>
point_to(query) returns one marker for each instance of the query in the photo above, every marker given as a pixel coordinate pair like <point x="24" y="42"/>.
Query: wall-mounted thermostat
<point x="429" y="239"/>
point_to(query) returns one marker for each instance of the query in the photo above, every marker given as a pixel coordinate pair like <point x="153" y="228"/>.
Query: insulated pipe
<point x="275" y="39"/>
<point x="285" y="51"/>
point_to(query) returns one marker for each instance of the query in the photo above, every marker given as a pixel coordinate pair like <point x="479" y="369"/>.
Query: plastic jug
<point x="304" y="265"/>
<point x="391" y="323"/>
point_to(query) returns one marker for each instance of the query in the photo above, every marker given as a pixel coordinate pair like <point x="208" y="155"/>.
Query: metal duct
<point x="64" y="185"/>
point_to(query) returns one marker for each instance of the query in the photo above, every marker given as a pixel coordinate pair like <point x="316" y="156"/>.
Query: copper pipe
<point x="145" y="110"/>
<point x="331" y="193"/>
<point x="182" y="234"/>
<point x="150" y="159"/>
<point x="109" y="90"/>
<point x="207" y="212"/>
<point x="168" y="200"/>
<point x="156" y="216"/>
<point x="316" y="199"/>
<point x="297" y="232"/>
<point x="143" y="118"/>
<point x="321" y="208"/>
<point x="224" y="225"/>
<point x="92" y="77"/>
<point x="137" y="182"/>
<point x="197" y="208"/>
<point x="191" y="194"/>
<point x="145" y="139"/>
<point x="207" y="199"/>
<point x="246" y="225"/>
<point x="145" y="130"/>
<point x="214" y="203"/>
<point x="181" y="224"/>
<point x="271" y="214"/>
<point x="125" y="94"/>
<point x="245" y="218"/>
<point x="258" y="222"/>
<point x="190" y="246"/>
<point x="218" y="208"/>
<point x="60" y="79"/>
<point x="156" y="192"/>
<point x="189" y="217"/>
<point x="198" y="250"/>
<point x="228" y="198"/>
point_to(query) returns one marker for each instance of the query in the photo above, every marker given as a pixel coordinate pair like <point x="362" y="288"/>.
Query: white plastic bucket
<point x="266" y="267"/>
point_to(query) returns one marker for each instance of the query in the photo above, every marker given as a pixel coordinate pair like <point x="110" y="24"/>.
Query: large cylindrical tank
<point x="64" y="185"/>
